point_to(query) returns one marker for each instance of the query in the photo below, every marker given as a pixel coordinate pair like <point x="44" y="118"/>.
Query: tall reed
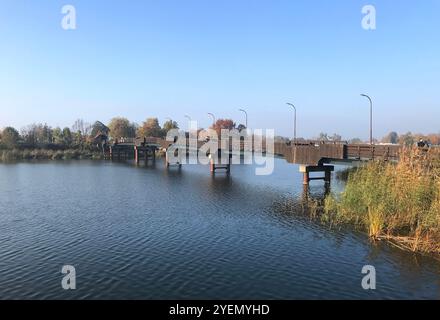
<point x="399" y="202"/>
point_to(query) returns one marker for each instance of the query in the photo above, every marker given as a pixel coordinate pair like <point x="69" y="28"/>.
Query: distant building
<point x="101" y="140"/>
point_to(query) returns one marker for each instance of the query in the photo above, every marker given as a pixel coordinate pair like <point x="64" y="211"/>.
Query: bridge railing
<point x="371" y="152"/>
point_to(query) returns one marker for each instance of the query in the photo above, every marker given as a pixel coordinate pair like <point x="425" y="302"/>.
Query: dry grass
<point x="398" y="202"/>
<point x="43" y="154"/>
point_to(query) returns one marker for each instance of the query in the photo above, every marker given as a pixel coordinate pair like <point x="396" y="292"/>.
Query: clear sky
<point x="168" y="58"/>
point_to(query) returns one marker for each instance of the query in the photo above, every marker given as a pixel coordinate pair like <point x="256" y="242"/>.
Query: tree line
<point x="82" y="135"/>
<point x="410" y="138"/>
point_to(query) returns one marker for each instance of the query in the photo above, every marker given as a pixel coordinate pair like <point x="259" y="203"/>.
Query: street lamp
<point x="213" y="119"/>
<point x="244" y="111"/>
<point x="294" y="122"/>
<point x="189" y="120"/>
<point x="371" y="117"/>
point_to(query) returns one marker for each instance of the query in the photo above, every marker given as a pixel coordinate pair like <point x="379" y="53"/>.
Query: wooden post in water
<point x="306" y="169"/>
<point x="328" y="177"/>
<point x="146" y="157"/>
<point x="136" y="154"/>
<point x="214" y="167"/>
<point x="306" y="178"/>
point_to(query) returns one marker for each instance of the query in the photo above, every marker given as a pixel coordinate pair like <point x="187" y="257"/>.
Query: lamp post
<point x="371" y="117"/>
<point x="189" y="121"/>
<point x="213" y="119"/>
<point x="244" y="111"/>
<point x="294" y="122"/>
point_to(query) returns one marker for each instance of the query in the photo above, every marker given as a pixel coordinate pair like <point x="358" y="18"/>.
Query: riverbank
<point x="47" y="154"/>
<point x="395" y="202"/>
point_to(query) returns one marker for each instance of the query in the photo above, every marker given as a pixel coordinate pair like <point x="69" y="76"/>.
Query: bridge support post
<point x="214" y="166"/>
<point x="306" y="178"/>
<point x="328" y="176"/>
<point x="307" y="169"/>
<point x="136" y="154"/>
<point x="167" y="160"/>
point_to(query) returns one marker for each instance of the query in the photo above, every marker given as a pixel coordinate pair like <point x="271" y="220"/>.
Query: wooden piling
<point x="307" y="169"/>
<point x="136" y="155"/>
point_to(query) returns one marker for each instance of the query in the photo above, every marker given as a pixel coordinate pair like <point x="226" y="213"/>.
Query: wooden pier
<point x="128" y="151"/>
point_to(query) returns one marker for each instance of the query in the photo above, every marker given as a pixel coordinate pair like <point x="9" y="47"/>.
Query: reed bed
<point x="45" y="154"/>
<point x="398" y="202"/>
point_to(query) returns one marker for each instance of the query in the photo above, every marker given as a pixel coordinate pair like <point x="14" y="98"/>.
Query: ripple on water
<point x="151" y="233"/>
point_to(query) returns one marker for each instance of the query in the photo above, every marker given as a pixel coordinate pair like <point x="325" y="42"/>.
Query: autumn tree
<point x="9" y="137"/>
<point x="220" y="124"/>
<point x="122" y="128"/>
<point x="150" y="128"/>
<point x="169" y="125"/>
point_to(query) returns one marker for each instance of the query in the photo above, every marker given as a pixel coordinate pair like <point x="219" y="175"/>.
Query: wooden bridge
<point x="312" y="156"/>
<point x="318" y="156"/>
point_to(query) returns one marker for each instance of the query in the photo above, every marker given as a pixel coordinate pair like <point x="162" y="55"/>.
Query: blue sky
<point x="170" y="58"/>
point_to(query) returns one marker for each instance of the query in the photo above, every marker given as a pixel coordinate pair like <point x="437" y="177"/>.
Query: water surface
<point x="151" y="233"/>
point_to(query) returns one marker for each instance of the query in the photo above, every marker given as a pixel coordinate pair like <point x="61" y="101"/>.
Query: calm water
<point x="144" y="233"/>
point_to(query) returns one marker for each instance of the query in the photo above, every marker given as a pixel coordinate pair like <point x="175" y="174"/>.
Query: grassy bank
<point x="44" y="154"/>
<point x="398" y="202"/>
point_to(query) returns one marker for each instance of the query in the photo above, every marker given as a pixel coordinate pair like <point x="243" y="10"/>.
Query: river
<point x="151" y="233"/>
